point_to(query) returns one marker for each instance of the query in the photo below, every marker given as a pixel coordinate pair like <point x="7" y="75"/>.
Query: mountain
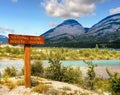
<point x="107" y="30"/>
<point x="3" y="39"/>
<point x="71" y="33"/>
<point x="67" y="30"/>
<point x="106" y="26"/>
<point x="106" y="33"/>
<point x="86" y="29"/>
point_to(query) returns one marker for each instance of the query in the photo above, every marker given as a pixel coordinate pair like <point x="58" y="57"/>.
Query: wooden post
<point x="27" y="41"/>
<point x="27" y="66"/>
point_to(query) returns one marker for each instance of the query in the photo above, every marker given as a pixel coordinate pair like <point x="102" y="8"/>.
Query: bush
<point x="54" y="71"/>
<point x="10" y="85"/>
<point x="114" y="83"/>
<point x="37" y="68"/>
<point x="61" y="73"/>
<point x="102" y="84"/>
<point x="41" y="88"/>
<point x="10" y="71"/>
<point x="72" y="75"/>
<point x="90" y="74"/>
<point x="20" y="82"/>
<point x="5" y="79"/>
<point x="8" y="82"/>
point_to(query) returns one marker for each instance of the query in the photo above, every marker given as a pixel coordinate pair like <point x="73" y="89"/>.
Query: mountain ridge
<point x="3" y="39"/>
<point x="68" y="27"/>
<point x="106" y="31"/>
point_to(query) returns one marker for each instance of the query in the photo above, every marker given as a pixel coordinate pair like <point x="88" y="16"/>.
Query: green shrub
<point x="8" y="82"/>
<point x="61" y="73"/>
<point x="90" y="80"/>
<point x="72" y="75"/>
<point x="20" y="82"/>
<point x="37" y="68"/>
<point x="66" y="74"/>
<point x="41" y="88"/>
<point x="102" y="84"/>
<point x="10" y="71"/>
<point x="5" y="79"/>
<point x="114" y="83"/>
<point x="54" y="70"/>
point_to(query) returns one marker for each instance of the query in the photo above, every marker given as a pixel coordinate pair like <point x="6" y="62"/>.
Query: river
<point x="112" y="65"/>
<point x="19" y="63"/>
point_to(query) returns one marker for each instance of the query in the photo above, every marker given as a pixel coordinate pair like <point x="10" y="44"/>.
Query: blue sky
<point x="34" y="17"/>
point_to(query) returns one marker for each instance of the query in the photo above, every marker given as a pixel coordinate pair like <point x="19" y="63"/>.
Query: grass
<point x="66" y="53"/>
<point x="10" y="85"/>
<point x="8" y="82"/>
<point x="41" y="88"/>
<point x="20" y="82"/>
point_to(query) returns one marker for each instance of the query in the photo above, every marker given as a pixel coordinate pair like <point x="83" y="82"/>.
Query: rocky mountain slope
<point x="71" y="33"/>
<point x="66" y="30"/>
<point x="108" y="25"/>
<point x="107" y="29"/>
<point x="3" y="39"/>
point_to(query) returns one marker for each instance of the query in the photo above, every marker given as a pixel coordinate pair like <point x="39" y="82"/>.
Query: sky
<point x="35" y="17"/>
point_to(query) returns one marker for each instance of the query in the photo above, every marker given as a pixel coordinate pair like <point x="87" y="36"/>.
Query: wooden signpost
<point x="26" y="41"/>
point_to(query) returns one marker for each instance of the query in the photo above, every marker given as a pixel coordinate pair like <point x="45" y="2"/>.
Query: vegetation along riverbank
<point x="17" y="52"/>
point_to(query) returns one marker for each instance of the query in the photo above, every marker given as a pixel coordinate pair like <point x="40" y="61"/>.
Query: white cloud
<point x="14" y="1"/>
<point x="114" y="11"/>
<point x="6" y="29"/>
<point x="69" y="8"/>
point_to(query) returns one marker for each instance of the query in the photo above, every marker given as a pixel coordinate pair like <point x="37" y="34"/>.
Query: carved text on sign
<point x="23" y="39"/>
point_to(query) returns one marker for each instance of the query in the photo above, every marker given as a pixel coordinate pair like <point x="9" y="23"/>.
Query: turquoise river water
<point x="19" y="63"/>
